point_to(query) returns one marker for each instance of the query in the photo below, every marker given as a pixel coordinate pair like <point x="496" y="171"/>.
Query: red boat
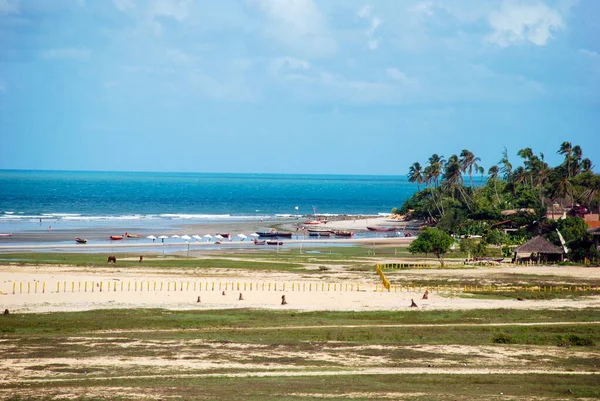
<point x="116" y="237"/>
<point x="382" y="229"/>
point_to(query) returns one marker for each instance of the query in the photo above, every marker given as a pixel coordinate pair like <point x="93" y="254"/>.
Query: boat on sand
<point x="116" y="237"/>
<point x="381" y="229"/>
<point x="80" y="240"/>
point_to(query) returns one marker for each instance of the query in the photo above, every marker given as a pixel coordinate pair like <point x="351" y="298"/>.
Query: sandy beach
<point x="99" y="236"/>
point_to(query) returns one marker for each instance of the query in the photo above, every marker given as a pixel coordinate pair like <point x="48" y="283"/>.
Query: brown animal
<point x="198" y="299"/>
<point x="283" y="301"/>
<point x="112" y="259"/>
<point x="141" y="258"/>
<point x="223" y="293"/>
<point x="413" y="304"/>
<point x="6" y="312"/>
<point x="426" y="295"/>
<point x="241" y="297"/>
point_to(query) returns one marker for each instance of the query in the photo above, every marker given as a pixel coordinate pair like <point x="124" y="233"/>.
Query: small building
<point x="538" y="249"/>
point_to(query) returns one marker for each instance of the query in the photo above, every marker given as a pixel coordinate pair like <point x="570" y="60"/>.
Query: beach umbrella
<point x="198" y="238"/>
<point x="219" y="237"/>
<point x="208" y="237"/>
<point x="186" y="237"/>
<point x="242" y="236"/>
<point x="255" y="235"/>
<point x="175" y="236"/>
<point x="151" y="237"/>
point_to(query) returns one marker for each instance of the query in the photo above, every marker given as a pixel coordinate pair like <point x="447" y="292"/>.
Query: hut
<point x="538" y="249"/>
<point x="595" y="233"/>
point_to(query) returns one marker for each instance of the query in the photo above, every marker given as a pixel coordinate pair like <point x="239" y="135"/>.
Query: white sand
<point x="310" y="292"/>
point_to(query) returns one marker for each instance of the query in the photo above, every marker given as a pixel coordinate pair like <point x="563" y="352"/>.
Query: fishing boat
<point x="257" y="242"/>
<point x="312" y="230"/>
<point x="274" y="234"/>
<point x="274" y="242"/>
<point x="116" y="237"/>
<point x="381" y="229"/>
<point x="320" y="234"/>
<point x="80" y="240"/>
<point x="5" y="235"/>
<point x="132" y="235"/>
<point x="343" y="233"/>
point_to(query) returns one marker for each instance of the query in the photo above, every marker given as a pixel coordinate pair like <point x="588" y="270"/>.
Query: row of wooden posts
<point x="385" y="266"/>
<point x="110" y="286"/>
<point x="450" y="289"/>
<point x="91" y="286"/>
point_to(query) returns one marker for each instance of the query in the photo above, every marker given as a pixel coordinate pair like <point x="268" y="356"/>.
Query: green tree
<point x="415" y="174"/>
<point x="432" y="240"/>
<point x="468" y="161"/>
<point x="566" y="149"/>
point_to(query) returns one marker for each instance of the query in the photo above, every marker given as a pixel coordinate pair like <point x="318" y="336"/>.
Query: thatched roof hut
<point x="540" y="248"/>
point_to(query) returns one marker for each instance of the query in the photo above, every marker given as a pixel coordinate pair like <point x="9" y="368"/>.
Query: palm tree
<point x="528" y="160"/>
<point x="519" y="176"/>
<point x="415" y="174"/>
<point x="436" y="164"/>
<point x="586" y="165"/>
<point x="453" y="180"/>
<point x="577" y="156"/>
<point x="566" y="149"/>
<point x="467" y="162"/>
<point x="505" y="165"/>
<point x="493" y="176"/>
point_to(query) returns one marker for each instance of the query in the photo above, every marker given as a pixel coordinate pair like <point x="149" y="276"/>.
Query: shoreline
<point x="98" y="237"/>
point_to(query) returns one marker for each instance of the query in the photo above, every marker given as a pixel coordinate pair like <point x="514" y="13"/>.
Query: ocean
<point x="76" y="199"/>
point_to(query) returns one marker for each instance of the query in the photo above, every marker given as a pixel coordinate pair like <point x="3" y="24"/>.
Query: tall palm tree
<point x="576" y="162"/>
<point x="493" y="176"/>
<point x="566" y="149"/>
<point x="468" y="161"/>
<point x="505" y="165"/>
<point x="528" y="161"/>
<point x="436" y="164"/>
<point x="519" y="176"/>
<point x="415" y="174"/>
<point x="453" y="180"/>
<point x="586" y="165"/>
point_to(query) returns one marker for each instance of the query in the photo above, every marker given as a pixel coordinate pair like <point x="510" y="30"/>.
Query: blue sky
<point x="294" y="86"/>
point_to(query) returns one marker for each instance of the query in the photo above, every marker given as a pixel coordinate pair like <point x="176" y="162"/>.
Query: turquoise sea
<point x="74" y="199"/>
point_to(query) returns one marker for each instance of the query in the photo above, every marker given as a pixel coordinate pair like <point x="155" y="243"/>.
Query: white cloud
<point x="298" y="24"/>
<point x="177" y="9"/>
<point x="365" y="13"/>
<point x="177" y="56"/>
<point x="518" y="22"/>
<point x="590" y="53"/>
<point x="124" y="5"/>
<point x="9" y="7"/>
<point x="397" y="75"/>
<point x="67" y="53"/>
<point x="288" y="63"/>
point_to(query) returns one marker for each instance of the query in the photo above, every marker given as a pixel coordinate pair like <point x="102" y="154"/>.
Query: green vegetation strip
<point x="337" y="387"/>
<point x="99" y="260"/>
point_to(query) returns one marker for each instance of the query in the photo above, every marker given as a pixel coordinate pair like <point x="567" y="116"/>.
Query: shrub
<point x="502" y="338"/>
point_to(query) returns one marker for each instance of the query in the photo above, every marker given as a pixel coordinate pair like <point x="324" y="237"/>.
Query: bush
<point x="575" y="341"/>
<point x="502" y="338"/>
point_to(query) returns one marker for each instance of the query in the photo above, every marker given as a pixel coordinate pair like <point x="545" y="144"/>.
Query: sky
<point x="294" y="86"/>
